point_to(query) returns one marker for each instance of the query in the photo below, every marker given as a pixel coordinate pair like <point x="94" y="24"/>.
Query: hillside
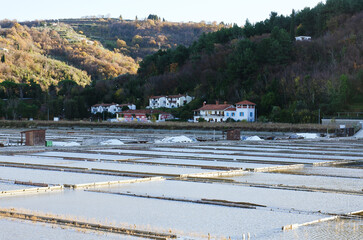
<point x="140" y="38"/>
<point x="55" y="65"/>
<point x="135" y="38"/>
<point x="51" y="54"/>
<point x="290" y="81"/>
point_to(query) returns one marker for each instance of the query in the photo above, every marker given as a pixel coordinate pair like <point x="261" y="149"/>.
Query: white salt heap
<point x="308" y="135"/>
<point x="177" y="139"/>
<point x="111" y="142"/>
<point x="359" y="134"/>
<point x="65" y="144"/>
<point x="253" y="138"/>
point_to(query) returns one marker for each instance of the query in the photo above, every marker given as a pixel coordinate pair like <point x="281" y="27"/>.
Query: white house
<point x="244" y="110"/>
<point x="303" y="38"/>
<point x="212" y="112"/>
<point x="110" y="107"/>
<point x="171" y="101"/>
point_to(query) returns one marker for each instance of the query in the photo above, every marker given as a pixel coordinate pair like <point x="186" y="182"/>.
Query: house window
<point x="240" y="114"/>
<point x="227" y="114"/>
<point x="251" y="114"/>
<point x="243" y="114"/>
<point x="232" y="114"/>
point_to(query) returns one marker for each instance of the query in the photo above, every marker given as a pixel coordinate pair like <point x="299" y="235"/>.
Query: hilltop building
<point x="171" y="101"/>
<point x="244" y="110"/>
<point x="303" y="38"/>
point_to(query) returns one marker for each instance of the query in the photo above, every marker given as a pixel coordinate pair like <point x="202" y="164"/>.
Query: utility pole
<point x="319" y="117"/>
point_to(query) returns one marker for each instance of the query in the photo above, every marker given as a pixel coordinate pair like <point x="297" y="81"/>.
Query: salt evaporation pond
<point x="272" y="198"/>
<point x="212" y="156"/>
<point x="126" y="167"/>
<point x="350" y="184"/>
<point x="206" y="163"/>
<point x="11" y="229"/>
<point x="329" y="145"/>
<point x="6" y="186"/>
<point x="335" y="229"/>
<point x="187" y="220"/>
<point x="355" y="152"/>
<point x="327" y="171"/>
<point x="54" y="177"/>
<point x="86" y="156"/>
<point x="305" y="155"/>
<point x="151" y="214"/>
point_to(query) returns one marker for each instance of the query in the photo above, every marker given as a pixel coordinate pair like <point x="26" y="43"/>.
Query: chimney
<point x="204" y="103"/>
<point x="217" y="102"/>
<point x="225" y="102"/>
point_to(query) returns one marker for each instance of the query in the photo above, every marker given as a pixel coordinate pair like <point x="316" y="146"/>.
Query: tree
<point x="153" y="17"/>
<point x="248" y="29"/>
<point x="292" y="26"/>
<point x="121" y="43"/>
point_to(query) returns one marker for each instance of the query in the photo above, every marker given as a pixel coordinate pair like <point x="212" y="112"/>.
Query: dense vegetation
<point x="290" y="81"/>
<point x="137" y="38"/>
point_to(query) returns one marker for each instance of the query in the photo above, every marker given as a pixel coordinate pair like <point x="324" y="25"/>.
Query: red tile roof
<point x="231" y="109"/>
<point x="168" y="96"/>
<point x="156" y="97"/>
<point x="176" y="96"/>
<point x="245" y="102"/>
<point x="125" y="104"/>
<point x="213" y="107"/>
<point x="104" y="104"/>
<point x="143" y="111"/>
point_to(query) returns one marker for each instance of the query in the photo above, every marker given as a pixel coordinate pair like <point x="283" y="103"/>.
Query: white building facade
<point x="243" y="111"/>
<point x="171" y="101"/>
<point x="303" y="38"/>
<point x="110" y="107"/>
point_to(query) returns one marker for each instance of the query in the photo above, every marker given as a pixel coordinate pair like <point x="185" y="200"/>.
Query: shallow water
<point x="207" y="163"/>
<point x="285" y="200"/>
<point x="11" y="229"/>
<point x="329" y="171"/>
<point x="86" y="156"/>
<point x="301" y="180"/>
<point x="188" y="220"/>
<point x="6" y="186"/>
<point x="128" y="167"/>
<point x="210" y="156"/>
<point x="53" y="177"/>
<point x="151" y="214"/>
<point x="257" y="152"/>
<point x="270" y="147"/>
<point x="335" y="229"/>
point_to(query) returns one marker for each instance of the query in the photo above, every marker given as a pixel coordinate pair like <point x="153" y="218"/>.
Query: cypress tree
<point x="292" y="26"/>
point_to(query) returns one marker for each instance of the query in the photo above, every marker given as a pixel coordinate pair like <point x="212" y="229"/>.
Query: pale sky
<point x="228" y="11"/>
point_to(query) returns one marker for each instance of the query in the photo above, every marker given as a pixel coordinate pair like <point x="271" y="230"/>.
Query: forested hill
<point x="48" y="55"/>
<point x="58" y="64"/>
<point x="288" y="80"/>
<point x="137" y="38"/>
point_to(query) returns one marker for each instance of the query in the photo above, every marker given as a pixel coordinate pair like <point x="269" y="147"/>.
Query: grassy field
<point x="268" y="127"/>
